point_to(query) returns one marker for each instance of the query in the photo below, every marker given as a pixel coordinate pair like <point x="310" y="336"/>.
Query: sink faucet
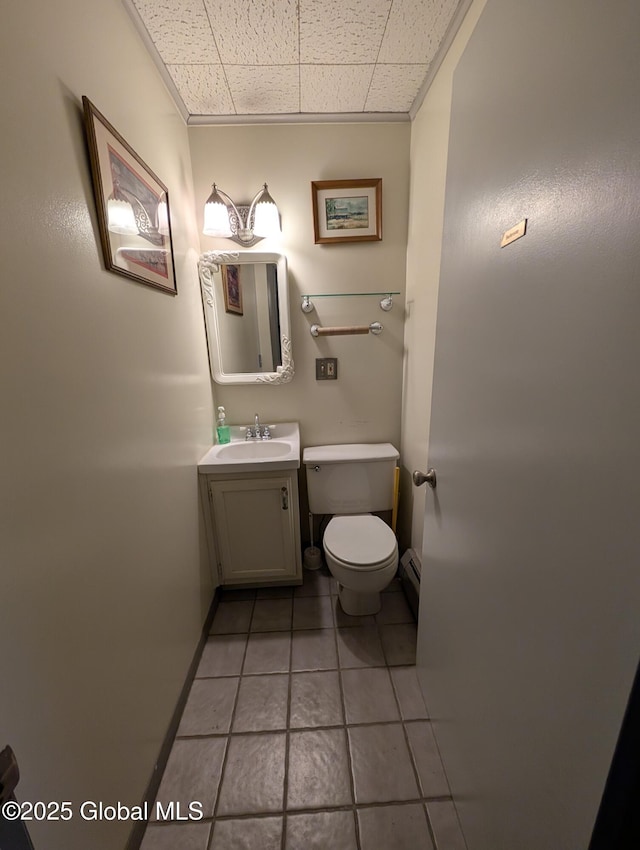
<point x="260" y="432"/>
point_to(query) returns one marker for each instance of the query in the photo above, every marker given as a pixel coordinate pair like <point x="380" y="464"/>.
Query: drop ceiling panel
<point x="406" y="42"/>
<point x="334" y="89"/>
<point x="203" y="89"/>
<point x="255" y="33"/>
<point x="224" y="59"/>
<point x="180" y="30"/>
<point x="264" y="89"/>
<point x="394" y="87"/>
<point x="341" y="31"/>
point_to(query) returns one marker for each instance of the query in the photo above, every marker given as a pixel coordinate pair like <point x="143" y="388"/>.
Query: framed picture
<point x="231" y="289"/>
<point x="133" y="207"/>
<point x="347" y="210"/>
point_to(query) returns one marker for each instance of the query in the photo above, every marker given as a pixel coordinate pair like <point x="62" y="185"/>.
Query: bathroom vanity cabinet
<point x="253" y="527"/>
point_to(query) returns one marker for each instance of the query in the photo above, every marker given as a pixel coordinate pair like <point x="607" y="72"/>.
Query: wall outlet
<point x="326" y="369"/>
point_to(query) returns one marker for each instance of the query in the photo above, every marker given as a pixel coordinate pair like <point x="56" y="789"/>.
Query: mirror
<point x="246" y="309"/>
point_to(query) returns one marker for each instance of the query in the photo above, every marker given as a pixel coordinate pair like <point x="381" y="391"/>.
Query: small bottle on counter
<point x="223" y="431"/>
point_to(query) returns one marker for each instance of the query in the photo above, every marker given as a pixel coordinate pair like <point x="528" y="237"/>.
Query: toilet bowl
<point x="361" y="552"/>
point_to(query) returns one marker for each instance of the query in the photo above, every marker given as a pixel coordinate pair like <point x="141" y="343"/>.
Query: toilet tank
<point x="350" y="479"/>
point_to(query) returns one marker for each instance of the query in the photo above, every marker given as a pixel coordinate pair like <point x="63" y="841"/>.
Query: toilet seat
<point x="363" y="542"/>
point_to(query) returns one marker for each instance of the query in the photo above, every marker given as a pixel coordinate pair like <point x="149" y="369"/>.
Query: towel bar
<point x="374" y="328"/>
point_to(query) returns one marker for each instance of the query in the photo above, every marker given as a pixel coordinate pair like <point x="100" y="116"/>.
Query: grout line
<point x="231" y="721"/>
<point x="352" y="778"/>
<point x="325" y="727"/>
<point x="287" y="746"/>
<point x="313" y="810"/>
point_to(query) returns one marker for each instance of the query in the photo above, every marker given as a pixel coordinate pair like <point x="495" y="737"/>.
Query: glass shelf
<point x="348" y="294"/>
<point x="386" y="303"/>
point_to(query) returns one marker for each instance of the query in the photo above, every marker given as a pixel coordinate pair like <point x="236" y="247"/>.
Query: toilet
<point x="349" y="482"/>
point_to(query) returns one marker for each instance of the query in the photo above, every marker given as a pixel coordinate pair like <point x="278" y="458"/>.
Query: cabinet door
<point x="255" y="529"/>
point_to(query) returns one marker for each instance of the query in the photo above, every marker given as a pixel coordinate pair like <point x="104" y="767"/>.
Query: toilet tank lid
<point x="350" y="453"/>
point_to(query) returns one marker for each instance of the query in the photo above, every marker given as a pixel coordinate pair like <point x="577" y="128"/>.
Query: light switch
<point x="326" y="369"/>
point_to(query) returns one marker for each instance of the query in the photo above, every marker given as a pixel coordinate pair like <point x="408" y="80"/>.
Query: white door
<point x="529" y="631"/>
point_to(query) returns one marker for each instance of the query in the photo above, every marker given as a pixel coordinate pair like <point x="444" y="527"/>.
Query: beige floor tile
<point x="232" y="618"/>
<point x="253" y="778"/>
<point x="316" y="699"/>
<point x="445" y="825"/>
<point x="209" y="707"/>
<point x="321" y="831"/>
<point x="222" y="656"/>
<point x="318" y="769"/>
<point x="405" y="682"/>
<point x="395" y="609"/>
<point x="268" y="652"/>
<point x="314" y="649"/>
<point x="382" y="767"/>
<point x="369" y="695"/>
<point x="312" y="612"/>
<point x="246" y="834"/>
<point x="186" y="836"/>
<point x="399" y="642"/>
<point x="315" y="583"/>
<point x="193" y="773"/>
<point x="262" y="703"/>
<point x="397" y="827"/>
<point x="360" y="647"/>
<point x="425" y="752"/>
<point x="272" y="615"/>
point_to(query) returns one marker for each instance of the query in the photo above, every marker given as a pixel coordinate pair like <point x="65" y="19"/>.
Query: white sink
<point x="254" y="449"/>
<point x="282" y="451"/>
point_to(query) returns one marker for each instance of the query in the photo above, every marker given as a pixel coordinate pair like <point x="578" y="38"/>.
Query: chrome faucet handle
<point x="266" y="433"/>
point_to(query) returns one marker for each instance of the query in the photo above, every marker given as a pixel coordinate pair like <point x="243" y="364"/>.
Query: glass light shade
<point x="266" y="221"/>
<point x="120" y="217"/>
<point x="216" y="216"/>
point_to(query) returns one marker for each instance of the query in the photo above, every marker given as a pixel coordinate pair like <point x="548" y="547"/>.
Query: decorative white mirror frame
<point x="208" y="264"/>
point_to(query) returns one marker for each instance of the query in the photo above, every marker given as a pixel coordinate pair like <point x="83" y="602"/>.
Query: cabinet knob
<point x="285" y="498"/>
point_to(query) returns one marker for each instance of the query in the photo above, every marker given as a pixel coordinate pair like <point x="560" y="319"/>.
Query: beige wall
<point x="106" y="408"/>
<point x="429" y="146"/>
<point x="363" y="405"/>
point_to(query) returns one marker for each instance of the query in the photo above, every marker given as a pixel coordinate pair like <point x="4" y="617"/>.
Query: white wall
<point x="106" y="408"/>
<point x="429" y="147"/>
<point x="364" y="404"/>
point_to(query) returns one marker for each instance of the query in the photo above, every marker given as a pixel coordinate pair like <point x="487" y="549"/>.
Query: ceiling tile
<point x="179" y="29"/>
<point x="203" y="88"/>
<point x="447" y="11"/>
<point x="403" y="41"/>
<point x="394" y="87"/>
<point x="334" y="88"/>
<point x="260" y="89"/>
<point x="304" y="57"/>
<point x="250" y="33"/>
<point x="341" y="31"/>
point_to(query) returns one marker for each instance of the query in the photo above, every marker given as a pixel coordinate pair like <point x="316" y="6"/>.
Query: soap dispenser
<point x="223" y="431"/>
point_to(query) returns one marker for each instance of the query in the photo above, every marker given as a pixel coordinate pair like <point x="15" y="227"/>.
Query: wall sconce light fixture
<point x="244" y="224"/>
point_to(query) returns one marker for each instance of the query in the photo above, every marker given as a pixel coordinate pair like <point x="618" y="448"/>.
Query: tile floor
<point x="305" y="729"/>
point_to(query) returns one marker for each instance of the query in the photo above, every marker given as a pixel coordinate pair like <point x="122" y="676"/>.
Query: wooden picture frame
<point x="232" y="289"/>
<point x="142" y="250"/>
<point x="347" y="210"/>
